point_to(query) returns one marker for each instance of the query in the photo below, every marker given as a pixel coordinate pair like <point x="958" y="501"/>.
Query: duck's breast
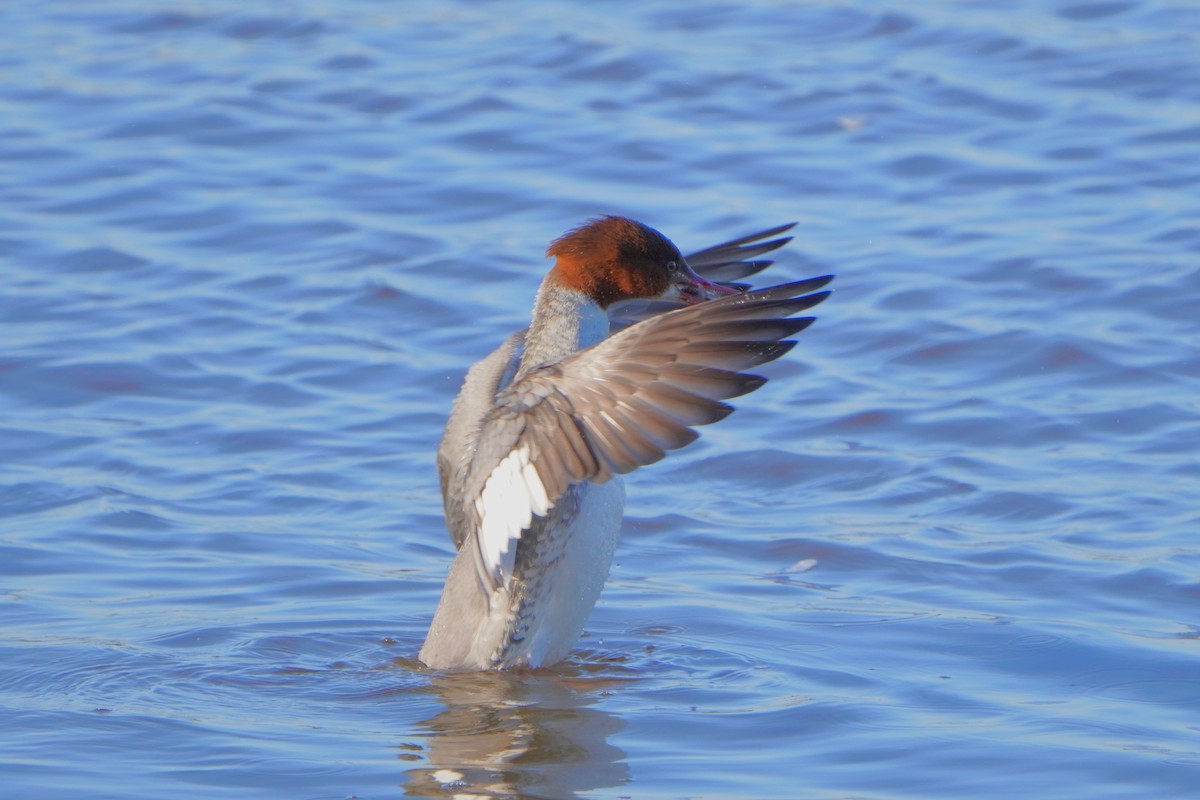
<point x="562" y="563"/>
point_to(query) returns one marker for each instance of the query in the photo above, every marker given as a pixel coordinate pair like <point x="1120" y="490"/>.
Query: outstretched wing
<point x="618" y="405"/>
<point x="733" y="260"/>
<point x="725" y="263"/>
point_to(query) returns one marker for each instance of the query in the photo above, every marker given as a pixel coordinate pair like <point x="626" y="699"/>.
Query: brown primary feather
<point x="731" y="250"/>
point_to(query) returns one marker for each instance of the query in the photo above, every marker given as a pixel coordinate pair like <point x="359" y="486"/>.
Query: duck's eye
<point x="672" y="266"/>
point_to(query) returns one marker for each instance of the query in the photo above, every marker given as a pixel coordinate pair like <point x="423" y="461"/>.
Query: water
<point x="948" y="551"/>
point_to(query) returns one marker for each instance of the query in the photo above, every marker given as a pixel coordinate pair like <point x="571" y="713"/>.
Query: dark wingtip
<point x="804" y="322"/>
<point x="773" y="351"/>
<point x="778" y="229"/>
<point x="794" y="289"/>
<point x="810" y="300"/>
<point x="720" y="414"/>
<point x="781" y="292"/>
<point x="743" y="245"/>
<point x="751" y="382"/>
<point x="810" y="284"/>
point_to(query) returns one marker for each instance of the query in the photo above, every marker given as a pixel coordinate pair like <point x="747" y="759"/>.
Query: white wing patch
<point x="511" y="496"/>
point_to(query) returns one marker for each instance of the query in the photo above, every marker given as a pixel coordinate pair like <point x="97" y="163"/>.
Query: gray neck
<point x="564" y="321"/>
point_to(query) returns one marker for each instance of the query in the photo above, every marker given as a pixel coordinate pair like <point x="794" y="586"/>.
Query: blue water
<point x="951" y="550"/>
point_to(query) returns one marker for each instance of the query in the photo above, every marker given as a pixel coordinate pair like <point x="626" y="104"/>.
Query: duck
<point x="629" y="349"/>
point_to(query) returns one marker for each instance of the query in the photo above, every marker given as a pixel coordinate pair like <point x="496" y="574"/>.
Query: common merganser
<point x="543" y="427"/>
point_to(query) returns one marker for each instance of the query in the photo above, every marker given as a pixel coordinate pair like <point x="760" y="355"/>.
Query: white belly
<point x="559" y="575"/>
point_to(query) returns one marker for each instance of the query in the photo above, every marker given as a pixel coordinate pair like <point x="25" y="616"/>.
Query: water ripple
<point x="247" y="254"/>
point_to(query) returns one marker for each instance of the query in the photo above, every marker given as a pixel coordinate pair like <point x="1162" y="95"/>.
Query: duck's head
<point x="615" y="258"/>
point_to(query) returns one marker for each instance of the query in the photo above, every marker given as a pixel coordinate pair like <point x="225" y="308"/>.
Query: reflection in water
<point x="518" y="735"/>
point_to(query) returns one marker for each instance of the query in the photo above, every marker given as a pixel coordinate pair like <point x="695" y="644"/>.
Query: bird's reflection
<point x="530" y="735"/>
